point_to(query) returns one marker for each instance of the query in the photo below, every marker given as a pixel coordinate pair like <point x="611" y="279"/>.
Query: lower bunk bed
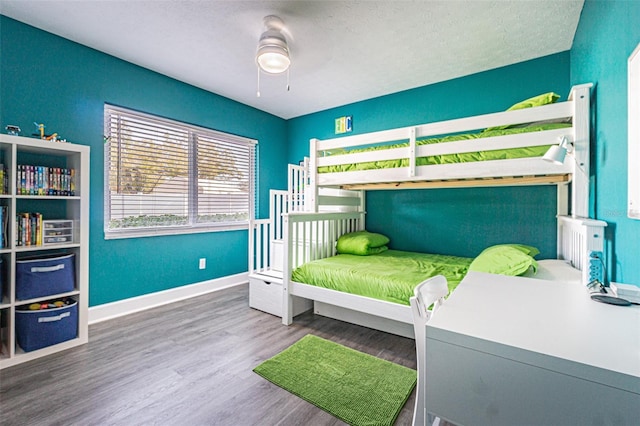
<point x="372" y="288"/>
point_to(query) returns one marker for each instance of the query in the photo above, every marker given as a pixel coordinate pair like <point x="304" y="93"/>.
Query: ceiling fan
<point x="272" y="55"/>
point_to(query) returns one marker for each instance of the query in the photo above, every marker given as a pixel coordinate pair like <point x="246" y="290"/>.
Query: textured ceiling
<point x="341" y="51"/>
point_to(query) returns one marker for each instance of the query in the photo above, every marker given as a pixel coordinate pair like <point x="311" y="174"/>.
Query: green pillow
<point x="504" y="259"/>
<point x="544" y="99"/>
<point x="372" y="250"/>
<point x="362" y="243"/>
<point x="530" y="250"/>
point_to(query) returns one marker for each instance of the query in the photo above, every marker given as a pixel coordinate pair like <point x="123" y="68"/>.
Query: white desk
<point x="504" y="351"/>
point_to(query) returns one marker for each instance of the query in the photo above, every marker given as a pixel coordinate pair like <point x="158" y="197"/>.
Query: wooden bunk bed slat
<point x="465" y="183"/>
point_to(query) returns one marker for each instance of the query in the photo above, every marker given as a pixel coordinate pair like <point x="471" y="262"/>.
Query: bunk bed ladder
<point x="266" y="235"/>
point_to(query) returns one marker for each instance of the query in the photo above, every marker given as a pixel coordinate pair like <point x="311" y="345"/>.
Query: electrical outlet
<point x="596" y="267"/>
<point x="203" y="263"/>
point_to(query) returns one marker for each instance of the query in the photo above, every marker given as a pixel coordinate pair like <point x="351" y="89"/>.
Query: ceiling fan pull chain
<point x="258" y="92"/>
<point x="288" y="86"/>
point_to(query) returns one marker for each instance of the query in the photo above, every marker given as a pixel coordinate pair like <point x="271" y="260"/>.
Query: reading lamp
<point x="556" y="153"/>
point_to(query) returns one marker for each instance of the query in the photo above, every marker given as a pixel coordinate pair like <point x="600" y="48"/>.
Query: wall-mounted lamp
<point x="272" y="55"/>
<point x="556" y="153"/>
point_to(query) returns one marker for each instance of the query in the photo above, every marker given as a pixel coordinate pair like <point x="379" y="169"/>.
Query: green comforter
<point x="391" y="275"/>
<point x="498" y="154"/>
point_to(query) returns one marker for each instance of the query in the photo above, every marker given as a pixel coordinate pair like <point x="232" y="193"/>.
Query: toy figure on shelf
<point x="51" y="138"/>
<point x="13" y="130"/>
<point x="40" y="129"/>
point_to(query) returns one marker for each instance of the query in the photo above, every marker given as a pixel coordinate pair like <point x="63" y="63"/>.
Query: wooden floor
<point x="188" y="363"/>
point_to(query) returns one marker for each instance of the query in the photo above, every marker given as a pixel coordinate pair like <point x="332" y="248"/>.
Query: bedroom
<point x="604" y="39"/>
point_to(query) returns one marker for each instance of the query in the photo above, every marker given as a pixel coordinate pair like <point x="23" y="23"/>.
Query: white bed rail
<point x="266" y="236"/>
<point x="576" y="164"/>
<point x="315" y="234"/>
<point x="259" y="250"/>
<point x="579" y="241"/>
<point x="311" y="236"/>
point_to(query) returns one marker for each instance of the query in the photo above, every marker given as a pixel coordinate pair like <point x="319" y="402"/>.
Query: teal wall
<point x="49" y="79"/>
<point x="52" y="80"/>
<point x="452" y="221"/>
<point x="607" y="34"/>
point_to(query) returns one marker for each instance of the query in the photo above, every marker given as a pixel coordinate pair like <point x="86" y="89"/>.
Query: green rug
<point x="357" y="388"/>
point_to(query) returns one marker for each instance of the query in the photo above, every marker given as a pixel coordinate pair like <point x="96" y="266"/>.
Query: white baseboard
<point x="112" y="310"/>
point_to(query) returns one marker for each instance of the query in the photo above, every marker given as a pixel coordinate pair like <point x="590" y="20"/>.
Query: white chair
<point x="431" y="291"/>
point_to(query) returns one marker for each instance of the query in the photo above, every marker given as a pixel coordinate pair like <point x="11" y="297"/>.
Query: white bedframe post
<point x="252" y="252"/>
<point x="563" y="199"/>
<point x="308" y="189"/>
<point x="562" y="205"/>
<point x="287" y="301"/>
<point x="313" y="182"/>
<point x="580" y="96"/>
<point x="412" y="152"/>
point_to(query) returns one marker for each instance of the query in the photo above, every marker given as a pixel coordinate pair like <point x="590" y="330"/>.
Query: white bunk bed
<point x="315" y="235"/>
<point x="520" y="171"/>
<point x="308" y="229"/>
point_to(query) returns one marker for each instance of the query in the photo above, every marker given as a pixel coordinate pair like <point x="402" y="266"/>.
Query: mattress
<point x="499" y="154"/>
<point x="390" y="276"/>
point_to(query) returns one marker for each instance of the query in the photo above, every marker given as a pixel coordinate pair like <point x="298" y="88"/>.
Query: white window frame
<point x="633" y="147"/>
<point x="192" y="226"/>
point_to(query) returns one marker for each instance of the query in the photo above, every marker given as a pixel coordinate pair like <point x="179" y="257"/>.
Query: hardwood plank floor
<point x="188" y="363"/>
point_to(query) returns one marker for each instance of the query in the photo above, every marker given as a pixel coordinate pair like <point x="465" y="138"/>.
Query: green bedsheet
<point x="391" y="275"/>
<point x="499" y="154"/>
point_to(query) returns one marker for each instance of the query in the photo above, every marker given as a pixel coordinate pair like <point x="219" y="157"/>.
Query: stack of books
<point x="4" y="180"/>
<point x="42" y="180"/>
<point x="29" y="232"/>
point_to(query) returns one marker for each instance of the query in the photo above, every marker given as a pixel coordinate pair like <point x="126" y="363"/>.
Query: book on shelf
<point x="43" y="180"/>
<point x="4" y="181"/>
<point x="4" y="222"/>
<point x="29" y="229"/>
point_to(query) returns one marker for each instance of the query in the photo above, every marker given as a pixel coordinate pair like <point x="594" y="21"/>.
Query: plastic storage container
<point x="37" y="329"/>
<point x="44" y="276"/>
<point x="57" y="232"/>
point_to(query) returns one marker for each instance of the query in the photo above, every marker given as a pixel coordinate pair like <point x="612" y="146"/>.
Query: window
<point x="167" y="177"/>
<point x="633" y="147"/>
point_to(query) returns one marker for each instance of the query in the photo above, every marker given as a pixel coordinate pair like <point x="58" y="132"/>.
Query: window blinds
<point x="161" y="173"/>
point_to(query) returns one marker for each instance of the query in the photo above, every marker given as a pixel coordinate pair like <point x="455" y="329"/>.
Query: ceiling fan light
<point x="273" y="59"/>
<point x="273" y="52"/>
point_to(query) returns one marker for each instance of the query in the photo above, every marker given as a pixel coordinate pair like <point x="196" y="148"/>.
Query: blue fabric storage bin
<point x="46" y="327"/>
<point x="45" y="276"/>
